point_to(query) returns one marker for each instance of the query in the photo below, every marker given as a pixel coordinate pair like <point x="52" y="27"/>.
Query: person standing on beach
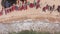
<point x="17" y="4"/>
<point x="7" y="4"/>
<point x="24" y="4"/>
<point x="3" y="6"/>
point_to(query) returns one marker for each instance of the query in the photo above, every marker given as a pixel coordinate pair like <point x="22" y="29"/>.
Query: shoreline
<point x="33" y="16"/>
<point x="28" y="25"/>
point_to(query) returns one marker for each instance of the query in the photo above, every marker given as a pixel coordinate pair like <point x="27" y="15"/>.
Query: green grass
<point x="57" y="32"/>
<point x="33" y="32"/>
<point x="30" y="32"/>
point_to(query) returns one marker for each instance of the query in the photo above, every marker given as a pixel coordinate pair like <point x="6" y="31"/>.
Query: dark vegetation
<point x="31" y="5"/>
<point x="9" y="1"/>
<point x="22" y="0"/>
<point x="30" y="32"/>
<point x="33" y="32"/>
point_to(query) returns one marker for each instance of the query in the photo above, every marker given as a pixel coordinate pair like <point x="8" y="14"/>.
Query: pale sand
<point x="32" y="13"/>
<point x="28" y="14"/>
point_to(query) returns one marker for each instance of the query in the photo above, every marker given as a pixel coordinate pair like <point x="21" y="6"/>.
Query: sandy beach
<point x="28" y="14"/>
<point x="32" y="18"/>
<point x="34" y="14"/>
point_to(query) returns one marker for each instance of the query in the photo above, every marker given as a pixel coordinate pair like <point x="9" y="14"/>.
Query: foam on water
<point x="28" y="25"/>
